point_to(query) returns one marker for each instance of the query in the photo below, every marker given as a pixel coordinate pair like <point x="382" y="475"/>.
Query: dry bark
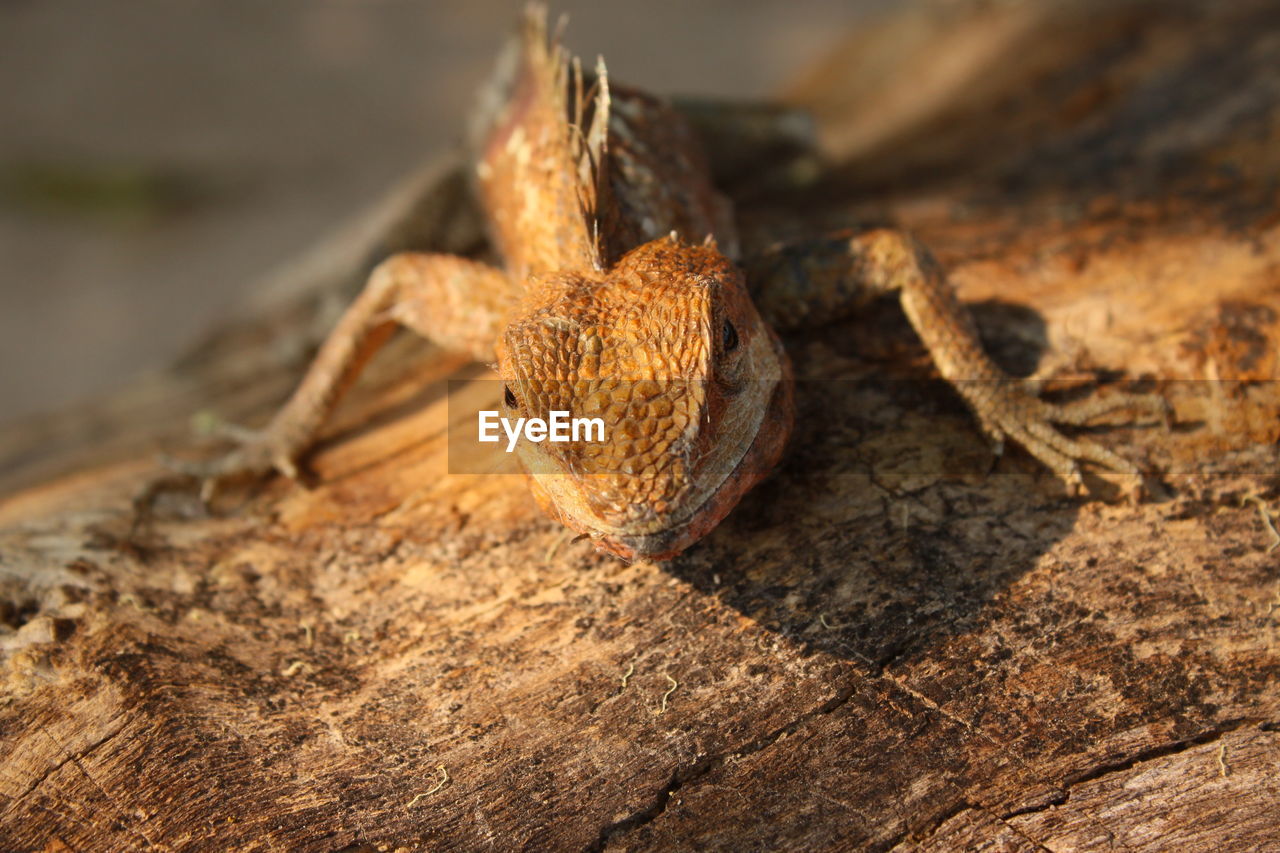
<point x="884" y="647"/>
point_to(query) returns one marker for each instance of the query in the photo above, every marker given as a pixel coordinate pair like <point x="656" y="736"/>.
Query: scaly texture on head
<point x="668" y="351"/>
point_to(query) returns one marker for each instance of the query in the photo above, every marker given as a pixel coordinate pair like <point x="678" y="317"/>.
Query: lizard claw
<point x="258" y="455"/>
<point x="1074" y="481"/>
<point x="1012" y="410"/>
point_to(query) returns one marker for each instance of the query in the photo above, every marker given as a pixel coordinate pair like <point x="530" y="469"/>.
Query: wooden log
<point x="891" y="645"/>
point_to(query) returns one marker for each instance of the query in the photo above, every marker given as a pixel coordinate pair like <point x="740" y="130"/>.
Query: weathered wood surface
<point x="883" y="647"/>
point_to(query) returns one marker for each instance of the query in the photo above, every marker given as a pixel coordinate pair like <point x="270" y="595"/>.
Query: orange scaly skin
<point x="691" y="423"/>
<point x="621" y="299"/>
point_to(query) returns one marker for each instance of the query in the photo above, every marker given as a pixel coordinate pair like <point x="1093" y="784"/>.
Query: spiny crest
<point x="585" y="107"/>
<point x="541" y="132"/>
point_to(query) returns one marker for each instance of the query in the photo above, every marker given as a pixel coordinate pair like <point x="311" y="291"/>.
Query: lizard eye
<point x="728" y="338"/>
<point x="509" y="397"/>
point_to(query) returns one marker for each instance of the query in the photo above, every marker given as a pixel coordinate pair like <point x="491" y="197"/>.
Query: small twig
<point x="555" y="546"/>
<point x="662" y="709"/>
<point x="1222" y="760"/>
<point x="444" y="780"/>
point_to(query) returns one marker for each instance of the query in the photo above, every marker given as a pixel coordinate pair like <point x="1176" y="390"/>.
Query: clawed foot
<point x="1010" y="410"/>
<point x="259" y="453"/>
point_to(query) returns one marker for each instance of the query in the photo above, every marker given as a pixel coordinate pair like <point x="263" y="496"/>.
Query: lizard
<point x="624" y="293"/>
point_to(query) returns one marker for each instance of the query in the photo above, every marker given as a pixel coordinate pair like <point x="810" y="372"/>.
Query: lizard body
<point x="622" y="297"/>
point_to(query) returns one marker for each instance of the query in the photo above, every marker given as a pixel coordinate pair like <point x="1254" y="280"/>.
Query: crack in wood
<point x="1162" y="751"/>
<point x="959" y="809"/>
<point x="681" y="777"/>
<point x="69" y="757"/>
<point x="1061" y="796"/>
<point x="74" y="758"/>
<point x="1018" y="832"/>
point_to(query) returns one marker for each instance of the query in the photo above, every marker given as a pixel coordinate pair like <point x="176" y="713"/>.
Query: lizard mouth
<point x="761" y="457"/>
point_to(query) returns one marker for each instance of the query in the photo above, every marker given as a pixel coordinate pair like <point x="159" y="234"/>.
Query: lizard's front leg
<point x="457" y="303"/>
<point x="824" y="280"/>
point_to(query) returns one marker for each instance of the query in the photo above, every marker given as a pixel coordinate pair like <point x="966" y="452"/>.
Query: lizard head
<point x="692" y="386"/>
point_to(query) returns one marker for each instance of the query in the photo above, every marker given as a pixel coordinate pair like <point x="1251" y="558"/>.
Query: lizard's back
<point x="574" y="171"/>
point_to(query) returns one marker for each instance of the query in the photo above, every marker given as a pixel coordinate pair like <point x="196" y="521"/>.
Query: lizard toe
<point x="258" y="456"/>
<point x="1084" y="411"/>
<point x="1030" y="422"/>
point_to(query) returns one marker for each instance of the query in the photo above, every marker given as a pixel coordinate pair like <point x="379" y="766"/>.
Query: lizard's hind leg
<point x="828" y="279"/>
<point x="455" y="302"/>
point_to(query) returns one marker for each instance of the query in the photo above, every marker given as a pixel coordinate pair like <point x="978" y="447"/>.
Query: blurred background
<point x="158" y="158"/>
